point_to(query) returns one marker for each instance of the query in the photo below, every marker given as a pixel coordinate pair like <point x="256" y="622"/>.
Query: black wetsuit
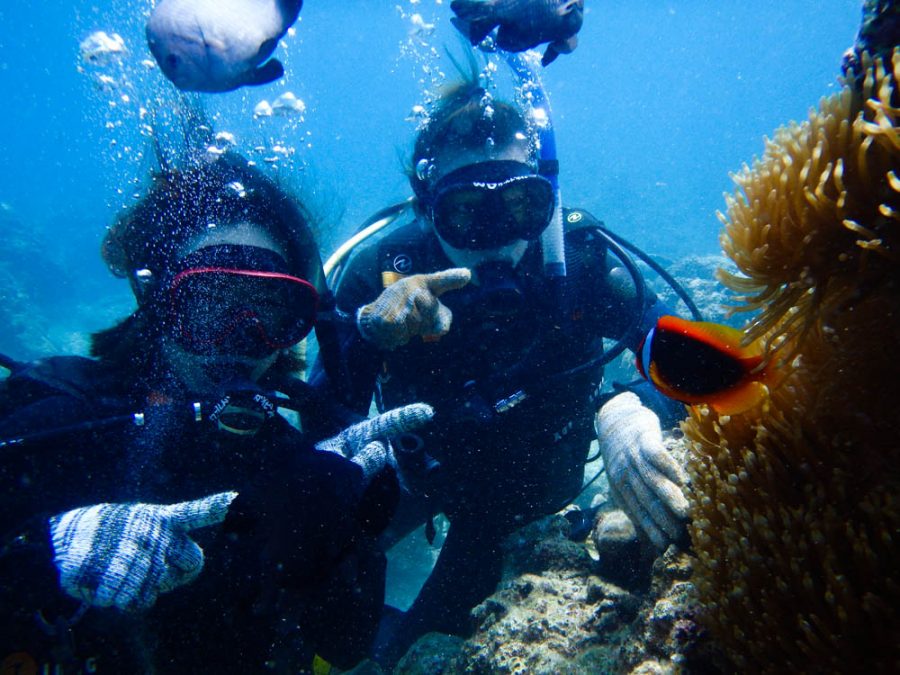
<point x="293" y="571"/>
<point x="497" y="471"/>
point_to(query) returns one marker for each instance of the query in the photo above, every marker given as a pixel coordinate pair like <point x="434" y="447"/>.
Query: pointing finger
<point x="447" y="280"/>
<point x="399" y="420"/>
<point x="200" y="512"/>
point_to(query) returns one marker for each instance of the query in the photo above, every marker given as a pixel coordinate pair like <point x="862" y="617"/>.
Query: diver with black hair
<point x="455" y="308"/>
<point x="160" y="514"/>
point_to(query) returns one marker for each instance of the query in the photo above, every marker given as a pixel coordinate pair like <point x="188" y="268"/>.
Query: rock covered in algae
<point x="432" y="654"/>
<point x="622" y="556"/>
<point x="555" y="613"/>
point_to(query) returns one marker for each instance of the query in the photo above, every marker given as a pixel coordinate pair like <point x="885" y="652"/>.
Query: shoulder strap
<point x="586" y="247"/>
<point x="578" y="219"/>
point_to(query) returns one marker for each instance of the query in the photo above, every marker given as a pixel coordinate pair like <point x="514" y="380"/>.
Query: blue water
<point x="659" y="103"/>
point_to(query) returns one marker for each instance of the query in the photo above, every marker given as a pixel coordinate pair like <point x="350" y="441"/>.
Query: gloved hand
<point x="367" y="443"/>
<point x="124" y="555"/>
<point x="643" y="477"/>
<point x="410" y="307"/>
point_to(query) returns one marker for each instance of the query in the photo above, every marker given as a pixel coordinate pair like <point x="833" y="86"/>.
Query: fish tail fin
<point x="268" y="72"/>
<point x="741" y="398"/>
<point x="550" y="55"/>
<point x="762" y="380"/>
<point x="290" y="10"/>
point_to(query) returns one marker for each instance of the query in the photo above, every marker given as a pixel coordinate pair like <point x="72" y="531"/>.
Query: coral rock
<point x="432" y="654"/>
<point x="623" y="557"/>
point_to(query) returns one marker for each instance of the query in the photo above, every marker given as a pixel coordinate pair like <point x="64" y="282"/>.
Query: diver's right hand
<point x="643" y="477"/>
<point x="410" y="307"/>
<point x="124" y="555"/>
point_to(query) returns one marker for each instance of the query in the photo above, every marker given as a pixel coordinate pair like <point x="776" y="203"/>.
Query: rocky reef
<point x="26" y="277"/>
<point x="50" y="298"/>
<point x="604" y="605"/>
<point x="698" y="275"/>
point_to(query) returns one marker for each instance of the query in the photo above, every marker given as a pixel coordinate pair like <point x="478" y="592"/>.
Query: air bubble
<point x="423" y="167"/>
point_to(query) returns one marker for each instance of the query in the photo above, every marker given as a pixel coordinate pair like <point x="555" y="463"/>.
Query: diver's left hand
<point x="367" y="443"/>
<point x="643" y="477"/>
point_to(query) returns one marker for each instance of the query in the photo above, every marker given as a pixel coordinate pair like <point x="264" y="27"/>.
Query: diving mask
<point x="239" y="300"/>
<point x="490" y="204"/>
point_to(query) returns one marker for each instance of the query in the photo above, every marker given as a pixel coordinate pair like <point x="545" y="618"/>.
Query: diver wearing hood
<point x="454" y="309"/>
<point x="136" y="541"/>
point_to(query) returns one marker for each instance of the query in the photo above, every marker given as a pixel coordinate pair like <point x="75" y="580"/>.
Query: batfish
<point x="219" y="45"/>
<point x="523" y="24"/>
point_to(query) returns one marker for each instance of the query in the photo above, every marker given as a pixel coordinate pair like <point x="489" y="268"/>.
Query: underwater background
<point x="661" y="100"/>
<point x="659" y="103"/>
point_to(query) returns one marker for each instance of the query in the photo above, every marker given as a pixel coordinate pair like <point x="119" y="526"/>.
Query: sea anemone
<point x="796" y="507"/>
<point x="820" y="207"/>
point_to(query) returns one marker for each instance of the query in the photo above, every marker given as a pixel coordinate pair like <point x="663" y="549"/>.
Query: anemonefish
<point x="701" y="362"/>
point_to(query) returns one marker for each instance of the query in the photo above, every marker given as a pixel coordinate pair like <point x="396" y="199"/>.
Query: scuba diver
<point x="456" y="308"/>
<point x="160" y="514"/>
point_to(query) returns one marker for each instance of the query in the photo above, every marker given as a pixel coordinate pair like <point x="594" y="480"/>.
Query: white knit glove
<point x="410" y="307"/>
<point x="124" y="555"/>
<point x="643" y="477"/>
<point x="367" y="443"/>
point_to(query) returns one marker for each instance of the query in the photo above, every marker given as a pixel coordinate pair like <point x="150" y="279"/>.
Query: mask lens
<point x="459" y="215"/>
<point x="244" y="312"/>
<point x="475" y="214"/>
<point x="529" y="203"/>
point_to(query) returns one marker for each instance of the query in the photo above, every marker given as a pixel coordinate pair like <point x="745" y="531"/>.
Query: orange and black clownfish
<point x="701" y="362"/>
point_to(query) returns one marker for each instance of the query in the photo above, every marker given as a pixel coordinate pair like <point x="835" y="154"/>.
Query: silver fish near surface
<point x="523" y="24"/>
<point x="219" y="45"/>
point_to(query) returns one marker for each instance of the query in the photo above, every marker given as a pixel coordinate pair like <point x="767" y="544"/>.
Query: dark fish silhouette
<point x="524" y="24"/>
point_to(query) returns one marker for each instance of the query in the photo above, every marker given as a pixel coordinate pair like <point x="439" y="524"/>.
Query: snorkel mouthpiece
<point x="243" y="409"/>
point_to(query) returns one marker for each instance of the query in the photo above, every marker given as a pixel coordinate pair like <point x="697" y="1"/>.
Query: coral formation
<point x="795" y="503"/>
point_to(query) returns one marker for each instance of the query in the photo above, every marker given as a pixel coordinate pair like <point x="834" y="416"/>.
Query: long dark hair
<point x="142" y="244"/>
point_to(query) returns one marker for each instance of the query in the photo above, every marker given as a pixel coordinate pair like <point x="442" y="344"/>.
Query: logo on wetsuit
<point x="402" y="264"/>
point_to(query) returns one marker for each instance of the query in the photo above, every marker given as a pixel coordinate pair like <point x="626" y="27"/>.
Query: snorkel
<point x="552" y="238"/>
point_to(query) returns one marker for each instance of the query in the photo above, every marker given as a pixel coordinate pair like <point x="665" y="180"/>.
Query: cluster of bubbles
<point x="277" y="121"/>
<point x="145" y="122"/>
<point x="537" y="117"/>
<point x="120" y="81"/>
<point x="417" y="48"/>
<point x="493" y="75"/>
<point x="525" y="91"/>
<point x="278" y="124"/>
